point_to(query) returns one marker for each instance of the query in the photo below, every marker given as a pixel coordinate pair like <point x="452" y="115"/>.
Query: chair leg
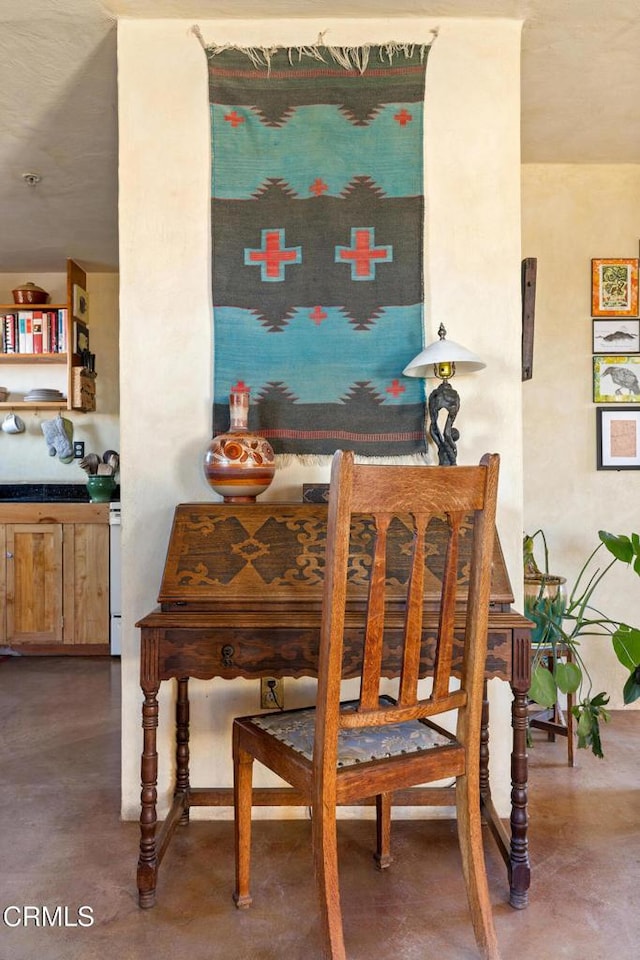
<point x="242" y="784"/>
<point x="325" y="857"/>
<point x="382" y="855"/>
<point x="473" y="866"/>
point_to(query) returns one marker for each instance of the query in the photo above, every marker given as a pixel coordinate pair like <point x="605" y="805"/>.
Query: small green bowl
<point x="100" y="488"/>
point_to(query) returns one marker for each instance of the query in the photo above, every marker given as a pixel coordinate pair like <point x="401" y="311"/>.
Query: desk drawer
<point x="205" y="652"/>
<point x="230" y="653"/>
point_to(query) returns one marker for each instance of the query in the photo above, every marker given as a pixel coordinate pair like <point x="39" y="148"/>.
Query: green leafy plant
<point x="562" y="620"/>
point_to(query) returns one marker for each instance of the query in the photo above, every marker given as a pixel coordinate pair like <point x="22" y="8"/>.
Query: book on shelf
<point x="46" y="347"/>
<point x="62" y="330"/>
<point x="52" y="330"/>
<point x="10" y="333"/>
<point x="36" y="322"/>
<point x="22" y="332"/>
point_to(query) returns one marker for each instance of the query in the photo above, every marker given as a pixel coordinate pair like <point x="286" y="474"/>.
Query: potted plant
<point x="563" y="617"/>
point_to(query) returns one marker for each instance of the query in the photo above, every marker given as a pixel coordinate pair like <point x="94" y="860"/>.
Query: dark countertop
<point x="47" y="493"/>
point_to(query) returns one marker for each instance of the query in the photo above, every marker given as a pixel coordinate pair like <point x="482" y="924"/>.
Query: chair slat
<point x="444" y="651"/>
<point x="374" y="631"/>
<point x="413" y="618"/>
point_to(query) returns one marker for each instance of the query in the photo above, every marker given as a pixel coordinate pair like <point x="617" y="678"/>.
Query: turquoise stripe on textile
<point x="319" y="362"/>
<point x="317" y="143"/>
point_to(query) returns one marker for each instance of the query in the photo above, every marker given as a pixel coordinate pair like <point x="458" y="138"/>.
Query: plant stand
<point x="555" y="720"/>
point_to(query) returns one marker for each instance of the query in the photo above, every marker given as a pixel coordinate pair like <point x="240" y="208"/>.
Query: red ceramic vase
<point x="239" y="464"/>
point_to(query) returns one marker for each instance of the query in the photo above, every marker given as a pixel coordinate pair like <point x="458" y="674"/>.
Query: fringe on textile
<point x="350" y="58"/>
<point x="284" y="460"/>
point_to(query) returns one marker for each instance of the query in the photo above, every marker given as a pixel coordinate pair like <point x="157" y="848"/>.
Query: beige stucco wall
<point x="473" y="263"/>
<point x="572" y="213"/>
<point x="24" y="456"/>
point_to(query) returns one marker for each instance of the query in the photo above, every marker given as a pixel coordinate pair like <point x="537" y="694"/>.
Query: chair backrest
<point x="416" y="494"/>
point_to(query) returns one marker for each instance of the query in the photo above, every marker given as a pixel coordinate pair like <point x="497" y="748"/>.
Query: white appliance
<point x="115" y="580"/>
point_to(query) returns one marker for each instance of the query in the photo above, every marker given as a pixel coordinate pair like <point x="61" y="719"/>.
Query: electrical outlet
<point x="78" y="449"/>
<point x="271" y="694"/>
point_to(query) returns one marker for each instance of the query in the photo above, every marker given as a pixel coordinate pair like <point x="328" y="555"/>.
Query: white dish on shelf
<point x="45" y="390"/>
<point x="44" y="398"/>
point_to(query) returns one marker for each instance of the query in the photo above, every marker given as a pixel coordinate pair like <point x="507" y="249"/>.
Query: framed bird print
<point x="614" y="287"/>
<point x="618" y="438"/>
<point x="616" y="379"/>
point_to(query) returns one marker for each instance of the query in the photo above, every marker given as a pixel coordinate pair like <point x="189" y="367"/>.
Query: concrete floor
<point x="62" y="844"/>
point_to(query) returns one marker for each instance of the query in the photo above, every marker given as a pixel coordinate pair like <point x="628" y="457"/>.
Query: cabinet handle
<point x="9" y="556"/>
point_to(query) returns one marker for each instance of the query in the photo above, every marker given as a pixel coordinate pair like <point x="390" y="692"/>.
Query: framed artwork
<point x="80" y="303"/>
<point x="616" y="336"/>
<point x="80" y="337"/>
<point x="616" y="379"/>
<point x="614" y="288"/>
<point x="618" y="438"/>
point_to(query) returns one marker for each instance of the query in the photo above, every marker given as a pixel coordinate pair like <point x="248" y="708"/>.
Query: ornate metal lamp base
<point x="444" y="397"/>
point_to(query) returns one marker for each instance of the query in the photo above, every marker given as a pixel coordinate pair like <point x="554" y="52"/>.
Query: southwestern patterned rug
<point x="317" y="232"/>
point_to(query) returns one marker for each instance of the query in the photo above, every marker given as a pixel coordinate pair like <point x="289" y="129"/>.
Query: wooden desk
<point x="241" y="597"/>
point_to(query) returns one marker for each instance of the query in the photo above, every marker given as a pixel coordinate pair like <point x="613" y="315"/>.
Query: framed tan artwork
<point x="614" y="287"/>
<point x="618" y="438"/>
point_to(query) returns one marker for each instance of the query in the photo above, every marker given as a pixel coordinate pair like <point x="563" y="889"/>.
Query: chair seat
<point x="296" y="729"/>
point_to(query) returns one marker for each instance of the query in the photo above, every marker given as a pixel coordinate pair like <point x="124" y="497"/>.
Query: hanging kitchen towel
<point x="317" y="234"/>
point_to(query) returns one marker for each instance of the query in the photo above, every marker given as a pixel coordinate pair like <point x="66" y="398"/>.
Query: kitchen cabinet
<point x="54" y="577"/>
<point x="79" y="382"/>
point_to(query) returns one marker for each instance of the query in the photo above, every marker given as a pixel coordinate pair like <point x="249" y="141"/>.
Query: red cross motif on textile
<point x="241" y="387"/>
<point x="273" y="256"/>
<point x="318" y="187"/>
<point x="234" y="119"/>
<point x="318" y="315"/>
<point x="396" y="388"/>
<point x="403" y="117"/>
<point x="363" y="254"/>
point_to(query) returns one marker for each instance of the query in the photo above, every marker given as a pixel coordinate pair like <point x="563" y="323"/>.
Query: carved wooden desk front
<point x="241" y="597"/>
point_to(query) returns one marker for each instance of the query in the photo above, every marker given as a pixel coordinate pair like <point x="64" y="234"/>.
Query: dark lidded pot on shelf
<point x="238" y="464"/>
<point x="30" y="293"/>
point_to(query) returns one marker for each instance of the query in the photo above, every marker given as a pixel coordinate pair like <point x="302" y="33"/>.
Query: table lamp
<point x="443" y="359"/>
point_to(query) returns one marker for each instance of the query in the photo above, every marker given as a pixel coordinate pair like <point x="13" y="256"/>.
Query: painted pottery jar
<point x="239" y="464"/>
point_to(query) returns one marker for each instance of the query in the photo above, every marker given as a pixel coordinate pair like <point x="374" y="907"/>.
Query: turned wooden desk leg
<point x="520" y="871"/>
<point x="148" y="862"/>
<point x="182" y="746"/>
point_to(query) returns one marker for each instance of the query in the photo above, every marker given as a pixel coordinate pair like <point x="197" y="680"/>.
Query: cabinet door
<point x="34" y="582"/>
<point x="86" y="583"/>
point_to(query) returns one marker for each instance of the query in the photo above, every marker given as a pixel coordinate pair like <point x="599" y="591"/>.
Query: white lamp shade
<point x="443" y="351"/>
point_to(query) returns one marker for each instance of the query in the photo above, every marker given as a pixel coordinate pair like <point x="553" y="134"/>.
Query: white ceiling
<point x="580" y="101"/>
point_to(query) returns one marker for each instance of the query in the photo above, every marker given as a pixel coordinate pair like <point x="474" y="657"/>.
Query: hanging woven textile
<point x="317" y="216"/>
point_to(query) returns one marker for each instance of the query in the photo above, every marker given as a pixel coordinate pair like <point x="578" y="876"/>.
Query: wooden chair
<point x="336" y="753"/>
